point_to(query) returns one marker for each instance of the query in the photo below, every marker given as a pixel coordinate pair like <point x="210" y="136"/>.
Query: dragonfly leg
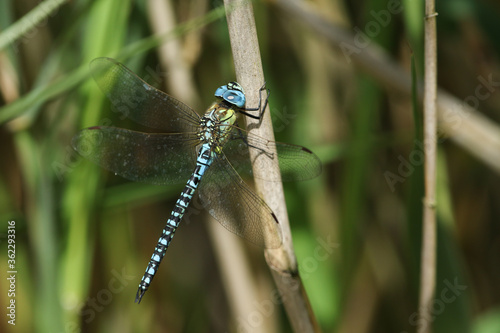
<point x="258" y="108"/>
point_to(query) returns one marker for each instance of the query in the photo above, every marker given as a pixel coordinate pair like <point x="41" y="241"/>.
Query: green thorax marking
<point x="216" y="125"/>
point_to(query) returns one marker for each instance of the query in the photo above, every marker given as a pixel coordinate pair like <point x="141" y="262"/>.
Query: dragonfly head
<point x="232" y="93"/>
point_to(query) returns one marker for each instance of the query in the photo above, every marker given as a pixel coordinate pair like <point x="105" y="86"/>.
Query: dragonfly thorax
<point x="216" y="124"/>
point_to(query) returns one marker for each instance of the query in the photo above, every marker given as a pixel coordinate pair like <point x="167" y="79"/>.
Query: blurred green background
<point x="84" y="236"/>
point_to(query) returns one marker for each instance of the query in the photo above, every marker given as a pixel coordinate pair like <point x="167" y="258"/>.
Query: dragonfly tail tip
<point x="138" y="296"/>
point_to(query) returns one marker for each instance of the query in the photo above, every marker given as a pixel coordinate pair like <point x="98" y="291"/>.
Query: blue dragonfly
<point x="184" y="145"/>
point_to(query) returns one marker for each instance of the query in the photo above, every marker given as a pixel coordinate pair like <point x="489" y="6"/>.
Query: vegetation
<point x="345" y="79"/>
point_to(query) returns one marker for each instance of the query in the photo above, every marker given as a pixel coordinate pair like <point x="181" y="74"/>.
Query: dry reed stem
<point x="180" y="78"/>
<point x="428" y="251"/>
<point x="249" y="74"/>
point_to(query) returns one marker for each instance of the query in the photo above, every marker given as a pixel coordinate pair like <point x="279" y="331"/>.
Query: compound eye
<point x="220" y="91"/>
<point x="235" y="97"/>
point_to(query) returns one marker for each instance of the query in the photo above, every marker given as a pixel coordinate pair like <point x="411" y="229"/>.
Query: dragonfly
<point x="210" y="151"/>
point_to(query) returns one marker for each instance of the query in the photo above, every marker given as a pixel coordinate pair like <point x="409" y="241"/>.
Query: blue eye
<point x="220" y="91"/>
<point x="232" y="93"/>
<point x="235" y="97"/>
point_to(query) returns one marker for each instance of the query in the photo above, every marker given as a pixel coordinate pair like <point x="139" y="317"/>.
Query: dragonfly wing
<point x="137" y="100"/>
<point x="144" y="157"/>
<point x="296" y="163"/>
<point x="231" y="202"/>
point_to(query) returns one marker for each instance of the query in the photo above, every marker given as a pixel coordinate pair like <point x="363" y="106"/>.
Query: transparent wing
<point x="159" y="159"/>
<point x="296" y="162"/>
<point x="139" y="101"/>
<point x="231" y="202"/>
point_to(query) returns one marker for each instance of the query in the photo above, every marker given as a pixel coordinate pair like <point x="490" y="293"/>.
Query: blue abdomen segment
<point x="202" y="163"/>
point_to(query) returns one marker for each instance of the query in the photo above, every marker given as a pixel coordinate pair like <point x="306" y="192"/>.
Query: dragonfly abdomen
<point x="202" y="163"/>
